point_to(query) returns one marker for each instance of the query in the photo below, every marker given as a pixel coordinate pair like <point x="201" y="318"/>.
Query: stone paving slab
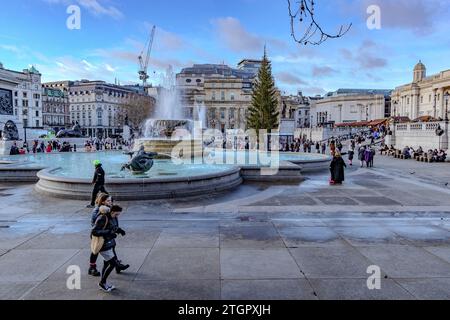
<point x="331" y="262"/>
<point x="427" y="289"/>
<point x="134" y="257"/>
<point x="406" y="262"/>
<point x="250" y="237"/>
<point x="248" y="264"/>
<point x="441" y="252"/>
<point x="191" y="238"/>
<point x="181" y="264"/>
<point x="369" y="235"/>
<point x="57" y="290"/>
<point x="32" y="265"/>
<point x="15" y="290"/>
<point x="356" y="289"/>
<point x="337" y="201"/>
<point x="422" y="235"/>
<point x="173" y="290"/>
<point x="267" y="290"/>
<point x="310" y="236"/>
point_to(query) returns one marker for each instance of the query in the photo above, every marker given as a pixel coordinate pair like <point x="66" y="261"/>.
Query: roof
<point x="217" y="69"/>
<point x="419" y="66"/>
<point x="384" y="92"/>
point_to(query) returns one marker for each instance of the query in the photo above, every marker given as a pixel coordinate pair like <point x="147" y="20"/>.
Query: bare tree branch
<point x="303" y="13"/>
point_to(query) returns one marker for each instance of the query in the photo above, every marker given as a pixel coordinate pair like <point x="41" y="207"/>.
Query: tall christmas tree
<point x="263" y="112"/>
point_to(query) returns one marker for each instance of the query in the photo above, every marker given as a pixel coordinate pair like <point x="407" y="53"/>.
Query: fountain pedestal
<point x="168" y="149"/>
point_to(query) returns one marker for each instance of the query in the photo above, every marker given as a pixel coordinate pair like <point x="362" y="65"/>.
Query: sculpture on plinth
<point x="74" y="133"/>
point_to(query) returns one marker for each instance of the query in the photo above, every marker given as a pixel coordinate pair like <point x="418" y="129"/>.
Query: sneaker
<point x="94" y="272"/>
<point x="106" y="287"/>
<point x="90" y="206"/>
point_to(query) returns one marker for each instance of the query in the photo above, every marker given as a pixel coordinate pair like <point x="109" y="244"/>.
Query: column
<point x="441" y="103"/>
<point x="435" y="114"/>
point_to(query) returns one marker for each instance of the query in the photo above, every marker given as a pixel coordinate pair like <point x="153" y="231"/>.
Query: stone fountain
<point x="167" y="133"/>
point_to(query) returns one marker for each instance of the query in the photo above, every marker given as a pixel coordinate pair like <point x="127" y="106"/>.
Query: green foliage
<point x="263" y="112"/>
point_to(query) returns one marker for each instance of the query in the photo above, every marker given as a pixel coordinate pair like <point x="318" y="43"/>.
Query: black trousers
<point x="97" y="188"/>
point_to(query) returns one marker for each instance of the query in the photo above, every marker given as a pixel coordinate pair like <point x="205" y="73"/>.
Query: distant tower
<point x="420" y="72"/>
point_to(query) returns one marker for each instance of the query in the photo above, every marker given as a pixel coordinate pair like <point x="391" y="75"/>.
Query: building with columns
<point x="97" y="106"/>
<point x="425" y="96"/>
<point x="224" y="92"/>
<point x="350" y="106"/>
<point x="20" y="99"/>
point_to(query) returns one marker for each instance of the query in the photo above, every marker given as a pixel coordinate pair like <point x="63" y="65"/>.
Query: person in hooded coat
<point x="337" y="169"/>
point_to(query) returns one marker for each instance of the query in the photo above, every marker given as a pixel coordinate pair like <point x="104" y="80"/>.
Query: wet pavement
<point x="311" y="241"/>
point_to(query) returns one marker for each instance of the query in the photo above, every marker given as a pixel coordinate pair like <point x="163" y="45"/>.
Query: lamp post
<point x="445" y="143"/>
<point x="393" y="138"/>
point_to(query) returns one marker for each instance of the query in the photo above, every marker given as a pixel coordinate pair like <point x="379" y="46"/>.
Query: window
<point x="213" y="95"/>
<point x="37" y="114"/>
<point x="24" y="94"/>
<point x="15" y="94"/>
<point x="16" y="103"/>
<point x="222" y="95"/>
<point x="37" y="104"/>
<point x="222" y="113"/>
<point x="407" y="101"/>
<point x="232" y="96"/>
<point x="421" y="99"/>
<point x="25" y="103"/>
<point x="198" y="80"/>
<point x="188" y="80"/>
<point x="37" y="123"/>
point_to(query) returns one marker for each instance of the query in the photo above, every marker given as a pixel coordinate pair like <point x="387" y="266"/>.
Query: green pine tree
<point x="263" y="112"/>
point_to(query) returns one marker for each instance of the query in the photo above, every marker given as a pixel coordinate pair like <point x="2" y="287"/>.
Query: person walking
<point x="351" y="154"/>
<point x="103" y="199"/>
<point x="98" y="181"/>
<point x="361" y="155"/>
<point x="337" y="169"/>
<point x="104" y="229"/>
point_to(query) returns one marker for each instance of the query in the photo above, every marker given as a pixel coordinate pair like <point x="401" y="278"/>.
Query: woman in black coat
<point x="337" y="169"/>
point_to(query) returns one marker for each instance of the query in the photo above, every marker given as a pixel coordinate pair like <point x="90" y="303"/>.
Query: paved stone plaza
<point x="311" y="241"/>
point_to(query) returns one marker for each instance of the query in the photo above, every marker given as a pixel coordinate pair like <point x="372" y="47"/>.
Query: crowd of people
<point x="42" y="147"/>
<point x="56" y="145"/>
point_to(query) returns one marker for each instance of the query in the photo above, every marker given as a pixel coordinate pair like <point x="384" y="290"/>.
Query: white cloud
<point x="95" y="7"/>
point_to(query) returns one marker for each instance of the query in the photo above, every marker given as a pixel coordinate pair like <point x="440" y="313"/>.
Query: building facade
<point x="98" y="107"/>
<point x="225" y="93"/>
<point x="55" y="109"/>
<point x="425" y="96"/>
<point x="350" y="106"/>
<point x="20" y="99"/>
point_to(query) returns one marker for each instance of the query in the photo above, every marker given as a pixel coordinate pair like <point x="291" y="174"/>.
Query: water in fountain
<point x="168" y="116"/>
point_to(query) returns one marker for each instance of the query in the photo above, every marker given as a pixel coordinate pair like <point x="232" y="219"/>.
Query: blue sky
<point x="113" y="33"/>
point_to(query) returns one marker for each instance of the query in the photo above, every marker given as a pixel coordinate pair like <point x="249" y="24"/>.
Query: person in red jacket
<point x="49" y="147"/>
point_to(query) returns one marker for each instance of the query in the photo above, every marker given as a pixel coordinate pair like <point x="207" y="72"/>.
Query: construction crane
<point x="143" y="61"/>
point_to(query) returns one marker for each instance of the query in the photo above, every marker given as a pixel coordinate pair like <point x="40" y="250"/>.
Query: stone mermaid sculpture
<point x="141" y="162"/>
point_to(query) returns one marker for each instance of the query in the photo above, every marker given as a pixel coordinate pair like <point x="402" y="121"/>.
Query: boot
<point x="120" y="267"/>
<point x="94" y="272"/>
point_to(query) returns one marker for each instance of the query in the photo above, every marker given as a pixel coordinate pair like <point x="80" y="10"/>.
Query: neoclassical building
<point x="225" y="92"/>
<point x="350" y="106"/>
<point x="20" y="99"/>
<point x="425" y="96"/>
<point x="97" y="106"/>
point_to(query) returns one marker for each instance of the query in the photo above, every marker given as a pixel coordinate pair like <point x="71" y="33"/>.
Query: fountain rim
<point x="48" y="174"/>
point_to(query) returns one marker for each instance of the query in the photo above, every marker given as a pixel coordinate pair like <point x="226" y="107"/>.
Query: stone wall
<point x="419" y="135"/>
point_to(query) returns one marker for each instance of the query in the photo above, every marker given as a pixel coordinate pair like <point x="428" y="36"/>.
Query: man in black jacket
<point x="98" y="181"/>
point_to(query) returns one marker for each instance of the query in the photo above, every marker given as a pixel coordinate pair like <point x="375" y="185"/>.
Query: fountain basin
<point x="168" y="149"/>
<point x="50" y="183"/>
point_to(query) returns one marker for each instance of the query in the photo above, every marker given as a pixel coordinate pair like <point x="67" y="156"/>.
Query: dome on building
<point x="33" y="70"/>
<point x="420" y="66"/>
